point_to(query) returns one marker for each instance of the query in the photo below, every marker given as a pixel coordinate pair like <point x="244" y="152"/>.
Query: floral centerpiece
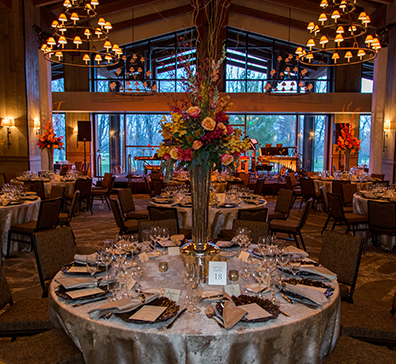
<point x="49" y="141"/>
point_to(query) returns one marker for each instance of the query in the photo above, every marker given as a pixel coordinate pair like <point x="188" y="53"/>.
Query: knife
<point x="287" y="299"/>
<point x="284" y="313"/>
<point x="177" y="316"/>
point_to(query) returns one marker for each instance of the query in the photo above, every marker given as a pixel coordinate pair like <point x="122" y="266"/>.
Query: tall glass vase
<point x="50" y="153"/>
<point x="347" y="157"/>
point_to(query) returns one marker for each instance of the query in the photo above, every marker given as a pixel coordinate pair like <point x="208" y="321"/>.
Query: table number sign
<point x="244" y="256"/>
<point x="218" y="273"/>
<point x="172" y="294"/>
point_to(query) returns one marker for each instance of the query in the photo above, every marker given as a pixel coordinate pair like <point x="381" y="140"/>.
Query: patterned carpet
<point x="376" y="281"/>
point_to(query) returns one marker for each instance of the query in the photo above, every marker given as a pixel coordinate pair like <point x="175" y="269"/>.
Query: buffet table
<point x="307" y="336"/>
<point x="13" y="215"/>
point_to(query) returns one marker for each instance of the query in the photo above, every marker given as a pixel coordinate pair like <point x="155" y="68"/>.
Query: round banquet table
<point x="69" y="185"/>
<point x="329" y="185"/>
<point x="360" y="206"/>
<point x="307" y="336"/>
<point x="219" y="218"/>
<point x="13" y="215"/>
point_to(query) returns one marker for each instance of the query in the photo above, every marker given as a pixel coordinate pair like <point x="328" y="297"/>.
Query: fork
<point x="211" y="314"/>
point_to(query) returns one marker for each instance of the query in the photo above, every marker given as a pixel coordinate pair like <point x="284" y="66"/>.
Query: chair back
<point x="304" y="216"/>
<point x="171" y="224"/>
<point x="74" y="204"/>
<point x="106" y="180"/>
<point x="8" y="176"/>
<point x="337" y="187"/>
<point x="115" y="208"/>
<point x="48" y="214"/>
<point x="289" y="184"/>
<point x="84" y="186"/>
<point x="292" y="179"/>
<point x="155" y="176"/>
<point x="126" y="200"/>
<point x="64" y="170"/>
<point x="157" y="186"/>
<point x="325" y="200"/>
<point x="382" y="217"/>
<point x="78" y="166"/>
<point x="284" y="201"/>
<point x="56" y="192"/>
<point x="348" y="190"/>
<point x="5" y="292"/>
<point x="378" y="176"/>
<point x="307" y="187"/>
<point x="161" y="213"/>
<point x="258" y="190"/>
<point x="335" y="205"/>
<point x="233" y="183"/>
<point x="253" y="214"/>
<point x="112" y="182"/>
<point x="341" y="254"/>
<point x="257" y="228"/>
<point x="53" y="249"/>
<point x="245" y="179"/>
<point x="38" y="187"/>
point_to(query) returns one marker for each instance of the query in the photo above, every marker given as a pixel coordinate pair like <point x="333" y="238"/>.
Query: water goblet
<point x="91" y="264"/>
<point x="155" y="234"/>
<point x="164" y="236"/>
<point x="246" y="272"/>
<point x="295" y="264"/>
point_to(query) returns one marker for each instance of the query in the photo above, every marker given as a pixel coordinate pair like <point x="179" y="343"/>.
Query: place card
<point x="232" y="290"/>
<point x="84" y="292"/>
<point x="172" y="294"/>
<point x="254" y="311"/>
<point x="244" y="256"/>
<point x="148" y="313"/>
<point x="144" y="257"/>
<point x="130" y="283"/>
<point x="77" y="269"/>
<point x="218" y="273"/>
<point x="174" y="250"/>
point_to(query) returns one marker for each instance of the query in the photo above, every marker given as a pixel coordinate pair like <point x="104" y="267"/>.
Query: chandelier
<point x="340" y="31"/>
<point x="79" y="40"/>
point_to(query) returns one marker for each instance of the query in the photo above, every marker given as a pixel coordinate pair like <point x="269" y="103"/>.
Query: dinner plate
<point x="227" y="205"/>
<point x="66" y="267"/>
<point x="171" y="311"/>
<point x="245" y="300"/>
<point x="60" y="291"/>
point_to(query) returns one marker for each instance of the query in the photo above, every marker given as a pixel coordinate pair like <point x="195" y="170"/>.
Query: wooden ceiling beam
<point x="386" y="2"/>
<point x="120" y="5"/>
<point x="40" y="3"/>
<point x="305" y="5"/>
<point x="5" y="4"/>
<point x="151" y="18"/>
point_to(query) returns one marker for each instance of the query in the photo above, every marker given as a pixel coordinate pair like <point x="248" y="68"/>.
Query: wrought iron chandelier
<point x="79" y="40"/>
<point x="340" y="31"/>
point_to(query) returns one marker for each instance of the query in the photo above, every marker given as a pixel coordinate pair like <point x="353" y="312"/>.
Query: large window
<point x="364" y="136"/>
<point x="59" y="125"/>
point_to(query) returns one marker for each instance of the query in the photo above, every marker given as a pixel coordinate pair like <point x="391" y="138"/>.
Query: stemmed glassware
<point x="243" y="238"/>
<point x="164" y="237"/>
<point x="246" y="272"/>
<point x="155" y="234"/>
<point x="91" y="264"/>
<point x="295" y="264"/>
<point x="106" y="254"/>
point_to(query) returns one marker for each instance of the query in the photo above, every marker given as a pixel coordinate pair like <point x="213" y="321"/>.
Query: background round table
<point x="329" y="185"/>
<point x="219" y="218"/>
<point x="13" y="215"/>
<point x="307" y="336"/>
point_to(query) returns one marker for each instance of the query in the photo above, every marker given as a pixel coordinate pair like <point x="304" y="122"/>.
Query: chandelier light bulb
<point x="62" y="40"/>
<point x="62" y="18"/>
<point x="299" y="50"/>
<point x="94" y="3"/>
<point x="366" y="21"/>
<point x="77" y="41"/>
<point x="335" y="57"/>
<point x="51" y="42"/>
<point x="340" y="30"/>
<point x="322" y="18"/>
<point x="352" y="29"/>
<point x="87" y="33"/>
<point x="324" y="4"/>
<point x="86" y="58"/>
<point x="67" y="4"/>
<point x="75" y="18"/>
<point x="101" y="22"/>
<point x="108" y="26"/>
<point x="338" y="39"/>
<point x="348" y="55"/>
<point x="309" y="56"/>
<point x="107" y="45"/>
<point x="59" y="55"/>
<point x="98" y="32"/>
<point x="311" y="43"/>
<point x="311" y="26"/>
<point x="98" y="58"/>
<point x="323" y="41"/>
<point x="54" y="24"/>
<point x="361" y="54"/>
<point x="335" y="15"/>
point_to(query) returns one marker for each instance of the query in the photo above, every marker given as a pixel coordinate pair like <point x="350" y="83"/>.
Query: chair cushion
<point x="351" y="351"/>
<point x="50" y="347"/>
<point x="63" y="217"/>
<point x="99" y="191"/>
<point x="131" y="226"/>
<point x="368" y="322"/>
<point x="356" y="218"/>
<point x="284" y="225"/>
<point x="26" y="315"/>
<point x="68" y="197"/>
<point x="277" y="215"/>
<point x="27" y="227"/>
<point x="138" y="215"/>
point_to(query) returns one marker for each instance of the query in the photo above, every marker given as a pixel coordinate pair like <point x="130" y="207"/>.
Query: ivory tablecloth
<point x="329" y="185"/>
<point x="307" y="336"/>
<point x="17" y="214"/>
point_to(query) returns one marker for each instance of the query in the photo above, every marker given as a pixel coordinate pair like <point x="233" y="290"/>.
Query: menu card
<point x="84" y="292"/>
<point x="172" y="294"/>
<point x="254" y="311"/>
<point x="148" y="313"/>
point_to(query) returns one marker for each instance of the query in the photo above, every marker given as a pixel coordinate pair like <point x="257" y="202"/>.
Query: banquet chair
<point x="38" y="187"/>
<point x="50" y="347"/>
<point x="296" y="191"/>
<point x="128" y="205"/>
<point x="337" y="186"/>
<point x="366" y="321"/>
<point x="104" y="190"/>
<point x="326" y="207"/>
<point x="253" y="214"/>
<point x="78" y="166"/>
<point x="381" y="220"/>
<point x="351" y="220"/>
<point x="21" y="318"/>
<point x="257" y="228"/>
<point x="308" y="192"/>
<point x="292" y="228"/>
<point x="258" y="189"/>
<point x="379" y="177"/>
<point x="53" y="249"/>
<point x="158" y="186"/>
<point x="348" y="190"/>
<point x="341" y="253"/>
<point x="164" y="213"/>
<point x="148" y="186"/>
<point x="171" y="224"/>
<point x="230" y="184"/>
<point x="8" y="176"/>
<point x="65" y="218"/>
<point x="126" y="227"/>
<point x="47" y="219"/>
<point x="56" y="192"/>
<point x="83" y="185"/>
<point x="245" y="177"/>
<point x="348" y="350"/>
<point x="283" y="205"/>
<point x="293" y="179"/>
<point x="64" y="170"/>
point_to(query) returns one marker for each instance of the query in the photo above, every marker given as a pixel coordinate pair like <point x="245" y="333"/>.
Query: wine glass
<point x="295" y="264"/>
<point x="164" y="237"/>
<point x="107" y="256"/>
<point x="275" y="280"/>
<point x="154" y="234"/>
<point x="91" y="264"/>
<point x="246" y="272"/>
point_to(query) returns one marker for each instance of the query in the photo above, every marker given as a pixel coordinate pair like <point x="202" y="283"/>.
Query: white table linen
<point x="329" y="185"/>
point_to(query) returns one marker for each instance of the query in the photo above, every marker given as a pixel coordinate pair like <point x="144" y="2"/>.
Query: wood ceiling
<point x="51" y="8"/>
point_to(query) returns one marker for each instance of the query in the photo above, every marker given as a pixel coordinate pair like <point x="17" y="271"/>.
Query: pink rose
<point x="208" y="123"/>
<point x="226" y="159"/>
<point x="193" y="111"/>
<point x="197" y="144"/>
<point x="174" y="153"/>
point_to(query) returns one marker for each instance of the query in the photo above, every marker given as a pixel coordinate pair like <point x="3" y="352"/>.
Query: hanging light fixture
<point x="340" y="32"/>
<point x="134" y="76"/>
<point x="78" y="39"/>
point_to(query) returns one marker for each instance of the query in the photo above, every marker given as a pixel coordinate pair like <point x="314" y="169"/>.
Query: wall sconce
<point x="8" y="123"/>
<point x="37" y="126"/>
<point x="387" y="127"/>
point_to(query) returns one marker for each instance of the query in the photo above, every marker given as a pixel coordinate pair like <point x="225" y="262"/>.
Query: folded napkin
<point x="77" y="282"/>
<point x="166" y="243"/>
<point x="320" y="271"/>
<point x="224" y="244"/>
<point x="29" y="197"/>
<point x="293" y="250"/>
<point x="211" y="293"/>
<point x="256" y="287"/>
<point x="232" y="314"/>
<point x="153" y="254"/>
<point x="315" y="294"/>
<point x="82" y="258"/>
